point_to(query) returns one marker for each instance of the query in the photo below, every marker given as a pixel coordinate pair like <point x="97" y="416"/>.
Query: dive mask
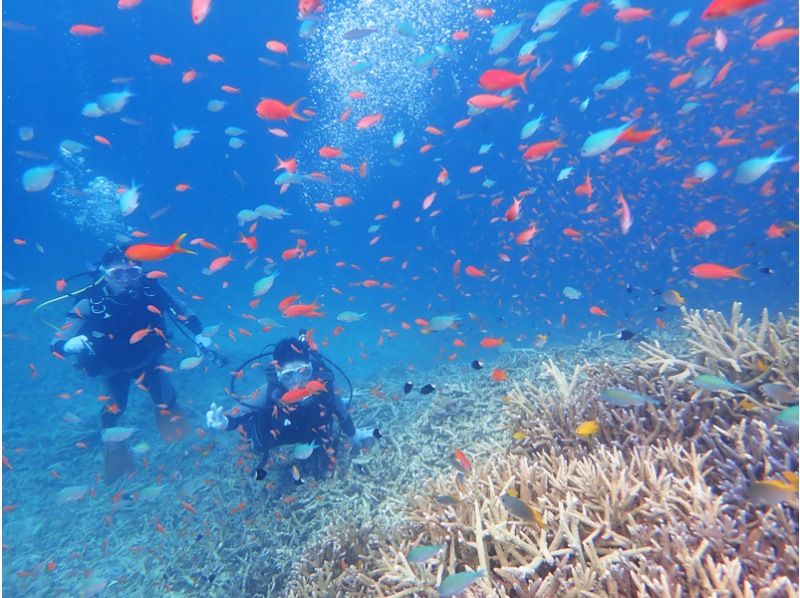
<point x="123" y="273"/>
<point x="295" y="374"/>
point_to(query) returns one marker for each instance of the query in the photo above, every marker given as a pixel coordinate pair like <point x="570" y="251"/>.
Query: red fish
<point x="150" y="252"/>
<point x="369" y="121"/>
<point x="541" y="150"/>
<point x="487" y="101"/>
<point x="717" y="272"/>
<point x="462" y="461"/>
<point x="488" y="342"/>
<point x="726" y="8"/>
<point x="86" y="30"/>
<point x="775" y="37"/>
<point x="270" y="109"/>
<point x="200" y="10"/>
<point x="513" y="211"/>
<point x="500" y="80"/>
<point x="704" y="228"/>
<point x="629" y="15"/>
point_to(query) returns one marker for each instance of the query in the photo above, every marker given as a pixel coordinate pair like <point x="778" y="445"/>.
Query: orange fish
<point x="160" y="60"/>
<point x="277" y="47"/>
<point x="726" y="8"/>
<point x="270" y="109"/>
<point x="489" y="342"/>
<point x="368" y="121"/>
<point x="704" y="228"/>
<point x="525" y="236"/>
<point x="150" y="252"/>
<point x="295" y="395"/>
<point x="513" y="211"/>
<point x="586" y="188"/>
<point x="775" y="37"/>
<point x="499" y="375"/>
<point x="200" y="10"/>
<point x="539" y="151"/>
<point x="774" y="231"/>
<point x="473" y="271"/>
<point x="86" y="30"/>
<point x="251" y="242"/>
<point x="717" y="272"/>
<point x="219" y="263"/>
<point x="462" y="461"/>
<point x="140" y="334"/>
<point x="597" y="311"/>
<point x="500" y="80"/>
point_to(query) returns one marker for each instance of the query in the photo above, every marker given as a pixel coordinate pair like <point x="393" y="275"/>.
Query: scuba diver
<point x="116" y="331"/>
<point x="295" y="405"/>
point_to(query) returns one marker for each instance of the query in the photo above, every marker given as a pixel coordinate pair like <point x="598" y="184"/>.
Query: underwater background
<point x="423" y="227"/>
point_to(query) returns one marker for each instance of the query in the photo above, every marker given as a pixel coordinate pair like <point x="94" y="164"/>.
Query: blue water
<point x="49" y="75"/>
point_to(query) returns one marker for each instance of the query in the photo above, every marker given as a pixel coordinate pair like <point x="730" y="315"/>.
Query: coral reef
<point x="653" y="504"/>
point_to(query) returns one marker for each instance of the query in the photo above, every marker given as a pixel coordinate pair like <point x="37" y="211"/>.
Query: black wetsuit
<point x="268" y="422"/>
<point x="108" y="321"/>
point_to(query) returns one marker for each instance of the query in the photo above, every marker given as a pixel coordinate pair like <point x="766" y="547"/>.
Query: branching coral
<point x="654" y="504"/>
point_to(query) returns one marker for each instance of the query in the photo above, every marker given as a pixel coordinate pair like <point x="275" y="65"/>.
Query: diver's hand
<point x="215" y="420"/>
<point x="365" y="437"/>
<point x="78" y="344"/>
<point x="201" y="341"/>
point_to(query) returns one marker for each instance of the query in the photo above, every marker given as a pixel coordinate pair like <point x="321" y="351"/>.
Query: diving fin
<point x="171" y="423"/>
<point x="118" y="461"/>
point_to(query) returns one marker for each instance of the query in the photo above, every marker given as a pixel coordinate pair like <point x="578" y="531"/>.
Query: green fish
<point x="622" y="397"/>
<point x="422" y="553"/>
<point x="707" y="382"/>
<point x="789" y="416"/>
<point x="457" y="582"/>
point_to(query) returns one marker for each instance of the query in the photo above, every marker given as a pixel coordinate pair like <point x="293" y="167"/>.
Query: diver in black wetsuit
<point x="268" y="421"/>
<point x="99" y="331"/>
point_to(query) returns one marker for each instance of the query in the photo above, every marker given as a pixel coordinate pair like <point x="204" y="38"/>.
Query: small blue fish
<point x="614" y="81"/>
<point x="38" y="178"/>
<point x="622" y="397"/>
<point x="407" y="29"/>
<point x="705" y="170"/>
<point x="422" y="553"/>
<point x="531" y="127"/>
<point x="708" y="382"/>
<point x="551" y="14"/>
<point x="114" y="102"/>
<point x="679" y="17"/>
<point x="753" y="169"/>
<point x="182" y="137"/>
<point x="599" y="142"/>
<point x="504" y="36"/>
<point x="457" y="582"/>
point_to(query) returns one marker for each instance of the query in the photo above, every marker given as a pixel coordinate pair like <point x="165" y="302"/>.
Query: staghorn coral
<point x="652" y="505"/>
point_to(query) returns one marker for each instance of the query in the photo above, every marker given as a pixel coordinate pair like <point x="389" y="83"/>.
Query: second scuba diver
<point x="296" y="405"/>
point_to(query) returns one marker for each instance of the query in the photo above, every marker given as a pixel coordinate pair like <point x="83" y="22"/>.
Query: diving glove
<point x="78" y="344"/>
<point x="215" y="420"/>
<point x="365" y="437"/>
